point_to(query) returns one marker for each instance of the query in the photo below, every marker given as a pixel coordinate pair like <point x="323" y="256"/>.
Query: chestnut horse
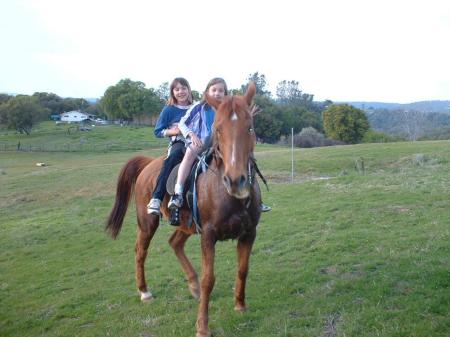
<point x="228" y="201"/>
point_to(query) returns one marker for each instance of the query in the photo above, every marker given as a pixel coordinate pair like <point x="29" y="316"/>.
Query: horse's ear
<point x="251" y="91"/>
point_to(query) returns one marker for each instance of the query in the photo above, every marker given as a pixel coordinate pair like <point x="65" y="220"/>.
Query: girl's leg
<point x="174" y="157"/>
<point x="185" y="166"/>
<point x="183" y="172"/>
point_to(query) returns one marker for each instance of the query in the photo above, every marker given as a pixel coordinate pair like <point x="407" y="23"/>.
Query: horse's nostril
<point x="226" y="180"/>
<point x="242" y="181"/>
<point x="237" y="183"/>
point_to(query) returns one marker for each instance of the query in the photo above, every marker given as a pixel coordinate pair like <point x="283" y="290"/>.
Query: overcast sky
<point x="346" y="50"/>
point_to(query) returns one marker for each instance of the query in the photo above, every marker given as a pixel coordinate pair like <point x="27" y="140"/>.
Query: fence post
<point x="292" y="155"/>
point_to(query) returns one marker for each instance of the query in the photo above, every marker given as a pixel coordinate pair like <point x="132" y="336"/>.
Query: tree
<point x="128" y="99"/>
<point x="298" y="117"/>
<point x="345" y="122"/>
<point x="4" y="98"/>
<point x="57" y="105"/>
<point x="298" y="109"/>
<point x="22" y="112"/>
<point x="163" y="91"/>
<point x="260" y="82"/>
<point x="267" y="121"/>
<point x="288" y="92"/>
<point x="50" y="101"/>
<point x="96" y="110"/>
<point x="196" y="96"/>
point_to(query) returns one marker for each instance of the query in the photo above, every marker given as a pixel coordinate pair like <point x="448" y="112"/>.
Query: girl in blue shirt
<point x="179" y="102"/>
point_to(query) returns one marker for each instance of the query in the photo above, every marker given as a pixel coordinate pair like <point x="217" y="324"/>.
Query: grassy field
<point x="357" y="245"/>
<point x="52" y="137"/>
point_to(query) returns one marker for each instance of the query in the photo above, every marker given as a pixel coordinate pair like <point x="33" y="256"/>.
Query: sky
<point x="346" y="50"/>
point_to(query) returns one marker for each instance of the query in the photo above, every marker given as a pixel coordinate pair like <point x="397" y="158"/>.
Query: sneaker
<point x="265" y="208"/>
<point x="153" y="207"/>
<point x="176" y="201"/>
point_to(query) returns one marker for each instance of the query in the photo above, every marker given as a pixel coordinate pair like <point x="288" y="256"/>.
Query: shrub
<point x="309" y="137"/>
<point x="373" y="136"/>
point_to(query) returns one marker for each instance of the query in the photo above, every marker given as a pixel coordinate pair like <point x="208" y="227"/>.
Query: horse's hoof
<point x="198" y="334"/>
<point x="146" y="296"/>
<point x="240" y="308"/>
<point x="195" y="290"/>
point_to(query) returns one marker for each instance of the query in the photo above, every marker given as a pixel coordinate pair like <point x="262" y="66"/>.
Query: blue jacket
<point x="170" y="116"/>
<point x="199" y="119"/>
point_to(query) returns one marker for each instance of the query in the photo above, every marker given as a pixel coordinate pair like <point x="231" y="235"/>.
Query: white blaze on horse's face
<point x="234" y="118"/>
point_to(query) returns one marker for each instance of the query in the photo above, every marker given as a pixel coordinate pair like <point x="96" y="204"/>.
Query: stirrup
<point x="176" y="201"/>
<point x="174" y="218"/>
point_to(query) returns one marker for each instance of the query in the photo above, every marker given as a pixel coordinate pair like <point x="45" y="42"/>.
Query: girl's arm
<point x="162" y="124"/>
<point x="187" y="119"/>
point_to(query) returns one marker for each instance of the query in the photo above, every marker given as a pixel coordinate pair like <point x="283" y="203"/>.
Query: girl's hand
<point x="173" y="131"/>
<point x="195" y="140"/>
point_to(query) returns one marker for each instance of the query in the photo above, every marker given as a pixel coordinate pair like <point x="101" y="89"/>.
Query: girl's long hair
<point x="215" y="80"/>
<point x="181" y="80"/>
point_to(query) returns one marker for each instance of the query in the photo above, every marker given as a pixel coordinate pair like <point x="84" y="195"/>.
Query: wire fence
<point x="80" y="147"/>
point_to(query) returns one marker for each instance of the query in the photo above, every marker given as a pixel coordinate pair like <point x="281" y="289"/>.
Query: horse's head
<point x="234" y="141"/>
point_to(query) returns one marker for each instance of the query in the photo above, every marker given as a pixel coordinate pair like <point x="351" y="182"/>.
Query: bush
<point x="309" y="137"/>
<point x="373" y="136"/>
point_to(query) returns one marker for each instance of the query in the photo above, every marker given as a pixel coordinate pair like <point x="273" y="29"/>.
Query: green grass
<point x="49" y="136"/>
<point x="344" y="252"/>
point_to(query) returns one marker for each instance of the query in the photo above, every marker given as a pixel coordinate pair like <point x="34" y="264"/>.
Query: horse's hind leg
<point x="142" y="242"/>
<point x="244" y="248"/>
<point x="177" y="242"/>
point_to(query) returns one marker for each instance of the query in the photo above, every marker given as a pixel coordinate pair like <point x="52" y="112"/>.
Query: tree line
<point x="22" y="112"/>
<point x="290" y="108"/>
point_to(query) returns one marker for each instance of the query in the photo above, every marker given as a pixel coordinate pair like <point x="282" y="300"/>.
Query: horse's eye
<point x="250" y="130"/>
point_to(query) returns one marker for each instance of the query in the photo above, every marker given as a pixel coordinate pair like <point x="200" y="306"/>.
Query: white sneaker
<point x="153" y="206"/>
<point x="265" y="208"/>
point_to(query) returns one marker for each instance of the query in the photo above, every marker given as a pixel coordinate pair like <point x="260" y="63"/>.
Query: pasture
<point x="52" y="137"/>
<point x="357" y="246"/>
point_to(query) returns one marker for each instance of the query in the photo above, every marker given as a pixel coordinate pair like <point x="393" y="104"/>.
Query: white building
<point x="74" y="116"/>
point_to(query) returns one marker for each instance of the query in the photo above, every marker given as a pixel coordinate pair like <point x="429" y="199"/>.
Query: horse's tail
<point x="125" y="185"/>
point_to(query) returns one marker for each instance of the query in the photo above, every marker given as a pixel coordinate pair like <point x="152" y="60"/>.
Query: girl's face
<point x="181" y="94"/>
<point x="217" y="91"/>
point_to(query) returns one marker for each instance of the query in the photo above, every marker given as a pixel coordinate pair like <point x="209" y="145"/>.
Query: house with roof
<point x="75" y="116"/>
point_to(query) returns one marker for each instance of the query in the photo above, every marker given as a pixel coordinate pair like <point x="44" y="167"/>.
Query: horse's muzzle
<point x="238" y="187"/>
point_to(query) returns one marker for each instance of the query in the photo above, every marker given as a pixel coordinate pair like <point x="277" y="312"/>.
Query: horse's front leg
<point x="244" y="248"/>
<point x="207" y="284"/>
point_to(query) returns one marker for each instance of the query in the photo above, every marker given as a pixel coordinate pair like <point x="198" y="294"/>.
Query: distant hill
<point x="422" y="106"/>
